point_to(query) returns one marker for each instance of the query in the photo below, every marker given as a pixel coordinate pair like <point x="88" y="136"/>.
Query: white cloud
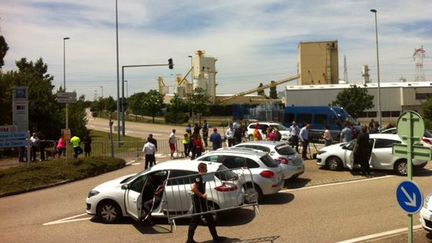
<point x="254" y="41"/>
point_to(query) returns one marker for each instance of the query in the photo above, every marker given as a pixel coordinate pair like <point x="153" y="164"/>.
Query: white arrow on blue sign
<point x="409" y="197"/>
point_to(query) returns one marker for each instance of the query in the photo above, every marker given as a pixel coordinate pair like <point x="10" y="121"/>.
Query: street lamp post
<point x="64" y="86"/>
<point x="127" y="89"/>
<point x="101" y="91"/>
<point x="191" y="69"/>
<point x="378" y="69"/>
<point x="118" y="78"/>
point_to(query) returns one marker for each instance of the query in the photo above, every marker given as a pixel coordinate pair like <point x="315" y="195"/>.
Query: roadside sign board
<point x="410" y="124"/>
<point x="409" y="197"/>
<point x="419" y="152"/>
<point x="20" y="109"/>
<point x="13" y="139"/>
<point x="66" y="97"/>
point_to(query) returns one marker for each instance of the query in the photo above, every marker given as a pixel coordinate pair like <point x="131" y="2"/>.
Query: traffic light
<point x="170" y="63"/>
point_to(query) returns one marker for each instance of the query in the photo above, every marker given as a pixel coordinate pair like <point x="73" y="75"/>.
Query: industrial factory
<point x="317" y="77"/>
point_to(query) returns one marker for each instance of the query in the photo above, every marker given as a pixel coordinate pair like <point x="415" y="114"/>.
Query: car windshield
<point x="224" y="174"/>
<point x="130" y="178"/>
<point x="269" y="162"/>
<point x="285" y="150"/>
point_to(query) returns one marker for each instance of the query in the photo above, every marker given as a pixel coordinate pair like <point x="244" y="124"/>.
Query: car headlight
<point x="322" y="151"/>
<point x="92" y="193"/>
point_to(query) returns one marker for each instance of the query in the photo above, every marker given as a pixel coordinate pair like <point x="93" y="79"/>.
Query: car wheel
<point x="334" y="163"/>
<point x="109" y="212"/>
<point x="252" y="194"/>
<point x="401" y="167"/>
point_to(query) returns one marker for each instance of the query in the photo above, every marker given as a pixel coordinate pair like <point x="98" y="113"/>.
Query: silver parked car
<point x="266" y="173"/>
<point x="291" y="162"/>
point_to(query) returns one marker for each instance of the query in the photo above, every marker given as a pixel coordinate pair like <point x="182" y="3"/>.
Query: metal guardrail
<point x="221" y="195"/>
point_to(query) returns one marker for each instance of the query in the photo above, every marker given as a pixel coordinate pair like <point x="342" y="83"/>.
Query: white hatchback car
<point x="284" y="131"/>
<point x="426" y="213"/>
<point x="123" y="196"/>
<point x="291" y="162"/>
<point x="267" y="175"/>
<point x="426" y="139"/>
<point x="338" y="156"/>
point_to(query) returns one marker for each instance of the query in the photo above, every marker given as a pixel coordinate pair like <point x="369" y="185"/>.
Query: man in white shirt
<point x="304" y="138"/>
<point x="149" y="150"/>
<point x="172" y="142"/>
<point x="294" y="138"/>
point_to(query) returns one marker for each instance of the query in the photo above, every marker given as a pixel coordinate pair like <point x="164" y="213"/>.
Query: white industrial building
<point x="395" y="97"/>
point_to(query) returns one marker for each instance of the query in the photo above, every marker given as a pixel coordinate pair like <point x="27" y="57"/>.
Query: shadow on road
<point x="278" y="198"/>
<point x="267" y="239"/>
<point x="422" y="172"/>
<point x="235" y="217"/>
<point x="296" y="183"/>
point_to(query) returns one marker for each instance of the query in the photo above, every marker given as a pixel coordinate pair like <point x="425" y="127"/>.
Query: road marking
<point x="68" y="220"/>
<point x="337" y="183"/>
<point x="380" y="235"/>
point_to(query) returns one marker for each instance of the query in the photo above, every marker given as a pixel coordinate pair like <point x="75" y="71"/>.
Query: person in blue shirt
<point x="304" y="138"/>
<point x="216" y="139"/>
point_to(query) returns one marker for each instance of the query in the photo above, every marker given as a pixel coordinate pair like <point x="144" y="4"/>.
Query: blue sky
<point x="254" y="41"/>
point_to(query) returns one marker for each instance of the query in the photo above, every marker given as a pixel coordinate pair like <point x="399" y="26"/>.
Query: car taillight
<point x="427" y="141"/>
<point x="226" y="187"/>
<point x="267" y="174"/>
<point x="283" y="161"/>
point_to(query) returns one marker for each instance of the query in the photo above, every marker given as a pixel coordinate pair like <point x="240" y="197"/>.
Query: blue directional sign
<point x="409" y="197"/>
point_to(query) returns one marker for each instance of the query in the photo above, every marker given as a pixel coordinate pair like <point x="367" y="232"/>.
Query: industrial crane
<point x="261" y="88"/>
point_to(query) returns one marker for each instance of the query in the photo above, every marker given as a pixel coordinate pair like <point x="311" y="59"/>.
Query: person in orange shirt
<point x="257" y="134"/>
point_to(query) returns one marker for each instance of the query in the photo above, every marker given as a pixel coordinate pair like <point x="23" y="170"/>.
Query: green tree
<point x="3" y="49"/>
<point x="176" y="110"/>
<point x="427" y="113"/>
<point x="354" y="100"/>
<point x="45" y="114"/>
<point x="198" y="101"/>
<point x="153" y="103"/>
<point x="273" y="92"/>
<point x="136" y="104"/>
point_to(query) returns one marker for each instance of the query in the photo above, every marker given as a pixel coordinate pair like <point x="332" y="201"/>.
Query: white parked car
<point x="123" y="196"/>
<point x="284" y="131"/>
<point x="338" y="156"/>
<point x="291" y="162"/>
<point x="426" y="213"/>
<point x="267" y="175"/>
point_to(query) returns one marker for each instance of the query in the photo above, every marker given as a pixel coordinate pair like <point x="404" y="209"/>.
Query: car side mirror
<point x="125" y="186"/>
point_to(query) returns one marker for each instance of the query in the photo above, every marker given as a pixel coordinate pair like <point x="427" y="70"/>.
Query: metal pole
<point x="118" y="79"/>
<point x="64" y="84"/>
<point x="378" y="69"/>
<point x="122" y="104"/>
<point x="127" y="89"/>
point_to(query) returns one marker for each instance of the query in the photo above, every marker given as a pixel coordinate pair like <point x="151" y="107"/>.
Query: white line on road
<point x="68" y="220"/>
<point x="379" y="235"/>
<point x="337" y="183"/>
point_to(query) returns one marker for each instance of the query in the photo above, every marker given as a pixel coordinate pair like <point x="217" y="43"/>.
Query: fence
<point x="224" y="190"/>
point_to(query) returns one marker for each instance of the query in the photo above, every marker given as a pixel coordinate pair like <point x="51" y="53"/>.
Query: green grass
<point x="39" y="175"/>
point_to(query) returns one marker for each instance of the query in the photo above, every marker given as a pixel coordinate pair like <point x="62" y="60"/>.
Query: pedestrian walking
<point x="153" y="141"/>
<point x="186" y="144"/>
<point x="362" y="151"/>
<point x="61" y="147"/>
<point x="205" y="131"/>
<point x="272" y="136"/>
<point x="149" y="151"/>
<point x="76" y="142"/>
<point x="42" y="146"/>
<point x="304" y="138"/>
<point x="346" y="134"/>
<point x="229" y="135"/>
<point x="257" y="134"/>
<point x="198" y="146"/>
<point x="216" y="139"/>
<point x="199" y="204"/>
<point x="172" y="143"/>
<point x="328" y="139"/>
<point x="294" y="138"/>
<point x="87" y="145"/>
<point x="34" y="144"/>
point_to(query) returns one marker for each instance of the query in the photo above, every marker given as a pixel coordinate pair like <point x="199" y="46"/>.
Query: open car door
<point x="133" y="196"/>
<point x="349" y="154"/>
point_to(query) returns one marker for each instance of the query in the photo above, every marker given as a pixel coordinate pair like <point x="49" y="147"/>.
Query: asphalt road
<point x="320" y="206"/>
